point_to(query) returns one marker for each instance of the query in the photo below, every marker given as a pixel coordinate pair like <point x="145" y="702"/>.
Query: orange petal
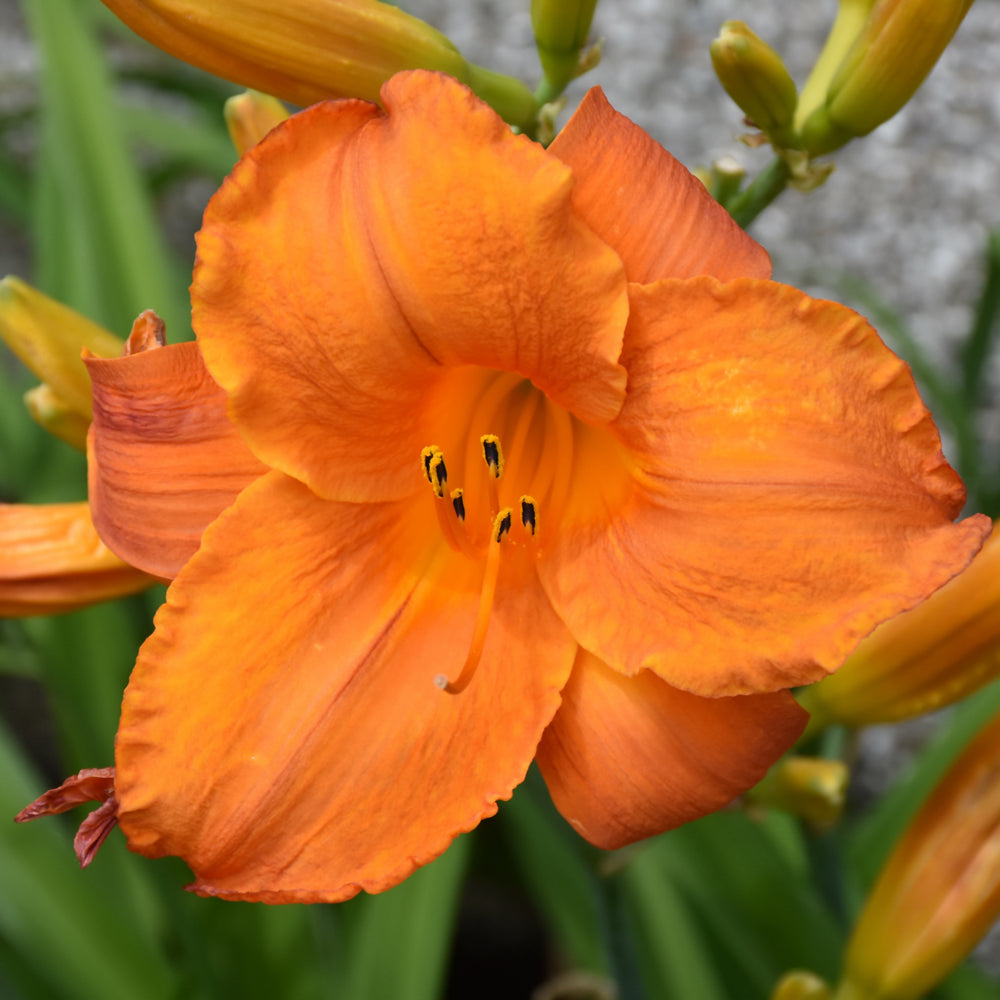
<point x="347" y="259"/>
<point x="282" y="731"/>
<point x="164" y="457"/>
<point x="647" y="205"/>
<point x="789" y="494"/>
<point x="629" y="757"/>
<point x="53" y="561"/>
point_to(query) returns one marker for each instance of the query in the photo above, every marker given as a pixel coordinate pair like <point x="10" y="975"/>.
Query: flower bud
<point x="561" y="28"/>
<point x="51" y="412"/>
<point x="49" y="337"/>
<point x="250" y="116"/>
<point x="53" y="561"/>
<point x="304" y="51"/>
<point x="756" y="78"/>
<point x="938" y="652"/>
<point x="812" y="788"/>
<point x="939" y="892"/>
<point x="893" y="52"/>
<point x="801" y="985"/>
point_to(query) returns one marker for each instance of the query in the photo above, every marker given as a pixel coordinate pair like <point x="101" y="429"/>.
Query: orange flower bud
<point x="926" y="658"/>
<point x="53" y="561"/>
<point x="940" y="890"/>
<point x="304" y="51"/>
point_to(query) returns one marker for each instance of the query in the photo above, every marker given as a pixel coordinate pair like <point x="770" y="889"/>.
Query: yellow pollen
<point x="501" y="528"/>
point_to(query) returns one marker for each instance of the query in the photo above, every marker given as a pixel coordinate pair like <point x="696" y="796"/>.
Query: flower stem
<point x="765" y="187"/>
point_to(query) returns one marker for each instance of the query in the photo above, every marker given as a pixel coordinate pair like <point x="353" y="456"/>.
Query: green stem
<point x="764" y="188"/>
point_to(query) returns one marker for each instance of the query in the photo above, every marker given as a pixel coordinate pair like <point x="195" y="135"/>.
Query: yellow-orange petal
<point x="629" y="757"/>
<point x="788" y="494"/>
<point x="648" y="206"/>
<point x="164" y="457"/>
<point x="53" y="561"/>
<point x="282" y="731"/>
<point x="348" y="262"/>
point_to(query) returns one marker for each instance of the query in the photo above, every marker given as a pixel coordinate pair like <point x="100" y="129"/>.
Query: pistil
<point x="501" y="528"/>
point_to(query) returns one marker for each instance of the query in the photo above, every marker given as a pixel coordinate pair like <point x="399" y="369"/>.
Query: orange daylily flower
<point x="532" y="461"/>
<point x="54" y="561"/>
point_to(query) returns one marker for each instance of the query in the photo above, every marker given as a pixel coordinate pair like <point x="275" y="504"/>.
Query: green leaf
<point x="77" y="934"/>
<point x="98" y="245"/>
<point x="399" y="941"/>
<point x="558" y="873"/>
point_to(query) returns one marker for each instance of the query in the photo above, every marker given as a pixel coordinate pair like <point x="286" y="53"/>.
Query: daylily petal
<point x="629" y="757"/>
<point x="789" y="494"/>
<point x="164" y="457"/>
<point x="282" y="731"/>
<point x="340" y="267"/>
<point x="53" y="561"/>
<point x="647" y="205"/>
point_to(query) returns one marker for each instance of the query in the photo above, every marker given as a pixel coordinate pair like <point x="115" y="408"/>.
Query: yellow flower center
<point x="526" y="465"/>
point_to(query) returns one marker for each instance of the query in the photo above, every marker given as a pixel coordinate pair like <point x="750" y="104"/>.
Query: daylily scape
<point x="486" y="453"/>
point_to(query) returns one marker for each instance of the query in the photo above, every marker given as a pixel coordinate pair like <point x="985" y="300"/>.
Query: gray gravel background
<point x="908" y="207"/>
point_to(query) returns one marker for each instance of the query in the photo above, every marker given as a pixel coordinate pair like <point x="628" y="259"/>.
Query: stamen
<point x="501" y="527"/>
<point x="529" y="514"/>
<point x="450" y="516"/>
<point x="438" y="475"/>
<point x="426" y="456"/>
<point x="493" y="456"/>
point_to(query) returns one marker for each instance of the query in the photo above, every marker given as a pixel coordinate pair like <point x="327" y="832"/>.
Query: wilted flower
<point x="531" y="459"/>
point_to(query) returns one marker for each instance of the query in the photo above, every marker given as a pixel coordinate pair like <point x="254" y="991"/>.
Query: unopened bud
<point x="756" y="78"/>
<point x="250" y="116"/>
<point x="561" y="28"/>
